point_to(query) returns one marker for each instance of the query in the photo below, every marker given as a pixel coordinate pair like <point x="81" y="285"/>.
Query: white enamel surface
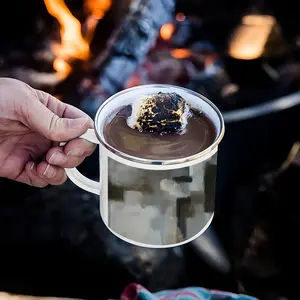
<point x="83" y="182"/>
<point x="76" y="177"/>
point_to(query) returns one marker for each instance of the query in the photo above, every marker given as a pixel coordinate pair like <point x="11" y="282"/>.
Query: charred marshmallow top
<point x="161" y="113"/>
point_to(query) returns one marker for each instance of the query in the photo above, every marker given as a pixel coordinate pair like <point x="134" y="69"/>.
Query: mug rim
<point x="165" y="162"/>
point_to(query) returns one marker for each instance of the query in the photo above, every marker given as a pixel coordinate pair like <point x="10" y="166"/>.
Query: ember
<point x="181" y="53"/>
<point x="167" y="31"/>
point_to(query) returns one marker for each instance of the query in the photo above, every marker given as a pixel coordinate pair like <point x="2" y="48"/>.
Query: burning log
<point x="51" y="60"/>
<point x="127" y="48"/>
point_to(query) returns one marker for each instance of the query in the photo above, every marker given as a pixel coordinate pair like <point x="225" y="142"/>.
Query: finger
<point x="79" y="147"/>
<point x="57" y="157"/>
<point x="52" y="174"/>
<point x="55" y="128"/>
<point x="49" y="123"/>
<point x="29" y="176"/>
<point x="71" y="155"/>
<point x="60" y="108"/>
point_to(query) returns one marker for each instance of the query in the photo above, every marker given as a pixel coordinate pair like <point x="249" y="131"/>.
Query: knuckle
<point x="56" y="127"/>
<point x="53" y="125"/>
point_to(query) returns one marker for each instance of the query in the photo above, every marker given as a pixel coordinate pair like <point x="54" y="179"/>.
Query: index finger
<point x="60" y="108"/>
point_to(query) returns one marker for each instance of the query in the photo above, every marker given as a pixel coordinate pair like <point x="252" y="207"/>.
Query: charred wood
<point x="126" y="49"/>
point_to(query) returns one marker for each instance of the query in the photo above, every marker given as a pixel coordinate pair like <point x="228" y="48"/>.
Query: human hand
<point x="32" y="123"/>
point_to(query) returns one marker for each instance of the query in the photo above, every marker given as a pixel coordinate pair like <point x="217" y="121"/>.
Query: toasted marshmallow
<point x="162" y="113"/>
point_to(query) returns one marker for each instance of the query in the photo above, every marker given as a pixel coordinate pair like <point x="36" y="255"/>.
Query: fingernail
<point x="49" y="172"/>
<point x="78" y="123"/>
<point x="57" y="158"/>
<point x="32" y="168"/>
<point x="75" y="152"/>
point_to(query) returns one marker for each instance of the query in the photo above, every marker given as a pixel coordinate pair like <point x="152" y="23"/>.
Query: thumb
<point x="55" y="128"/>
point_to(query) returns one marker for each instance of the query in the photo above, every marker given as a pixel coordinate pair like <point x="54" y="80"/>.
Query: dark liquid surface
<point x="198" y="135"/>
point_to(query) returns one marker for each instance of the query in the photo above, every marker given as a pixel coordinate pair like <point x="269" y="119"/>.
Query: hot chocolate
<point x="199" y="134"/>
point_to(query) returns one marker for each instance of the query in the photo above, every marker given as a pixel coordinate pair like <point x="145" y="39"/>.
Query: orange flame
<point x="73" y="44"/>
<point x="167" y="31"/>
<point x="96" y="10"/>
<point x="62" y="67"/>
<point x="181" y="53"/>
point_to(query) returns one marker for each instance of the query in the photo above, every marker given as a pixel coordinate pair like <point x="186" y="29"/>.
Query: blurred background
<point x="242" y="55"/>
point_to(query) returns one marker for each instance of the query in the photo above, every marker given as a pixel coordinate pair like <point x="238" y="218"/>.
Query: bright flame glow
<point x="180" y="53"/>
<point x="96" y="10"/>
<point x="62" y="68"/>
<point x="251" y="36"/>
<point x="73" y="44"/>
<point x="167" y="31"/>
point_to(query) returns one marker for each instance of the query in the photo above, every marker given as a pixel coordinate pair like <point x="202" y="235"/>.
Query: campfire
<point x="67" y="43"/>
<point x="84" y="51"/>
<point x="75" y="38"/>
<point x="151" y="42"/>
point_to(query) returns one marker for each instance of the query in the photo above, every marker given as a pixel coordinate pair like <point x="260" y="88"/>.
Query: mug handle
<point x="75" y="176"/>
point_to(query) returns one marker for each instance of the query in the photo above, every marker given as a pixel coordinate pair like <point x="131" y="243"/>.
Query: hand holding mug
<point x="32" y="123"/>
